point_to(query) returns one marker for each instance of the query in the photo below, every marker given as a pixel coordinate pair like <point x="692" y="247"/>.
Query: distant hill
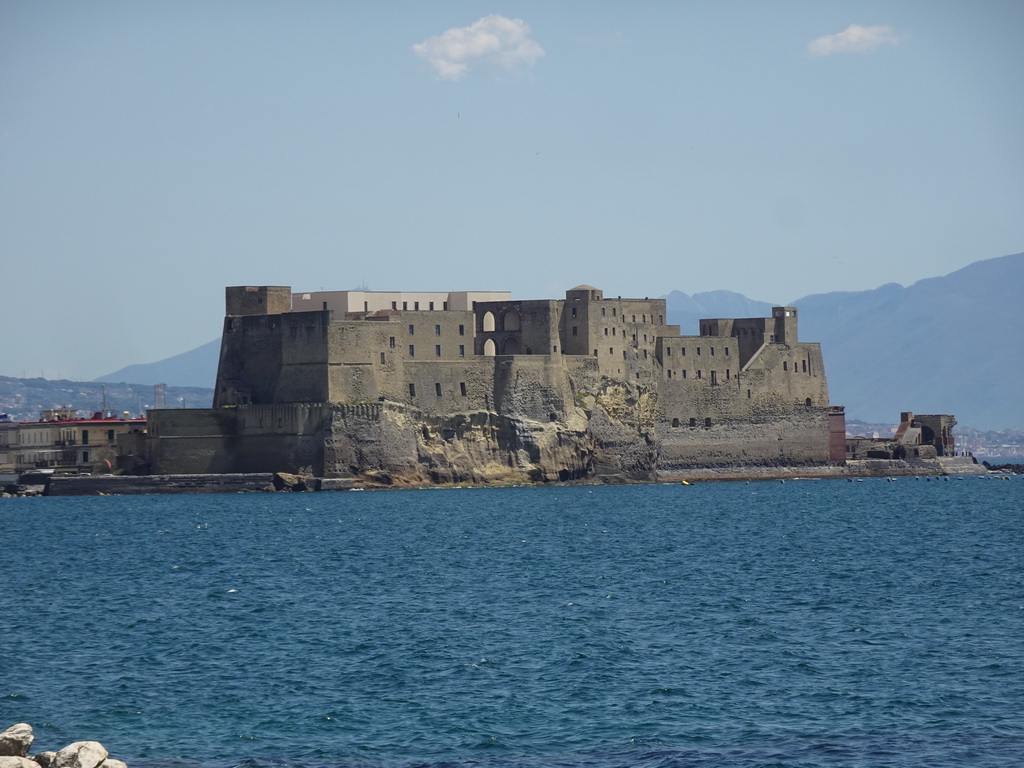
<point x="195" y="368"/>
<point x="947" y="344"/>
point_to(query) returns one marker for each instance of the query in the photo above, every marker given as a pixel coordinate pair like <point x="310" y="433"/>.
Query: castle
<point x="473" y="386"/>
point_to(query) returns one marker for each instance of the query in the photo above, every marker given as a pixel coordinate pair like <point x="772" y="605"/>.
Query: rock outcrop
<point x="16" y="741"/>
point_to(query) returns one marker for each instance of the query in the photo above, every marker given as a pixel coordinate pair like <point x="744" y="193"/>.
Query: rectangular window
<point x="682" y="351"/>
<point x="85" y="437"/>
<point x="726" y="351"/>
<point x="462" y="330"/>
<point x="110" y="435"/>
<point x="462" y="350"/>
<point x="613" y="311"/>
<point x="602" y="312"/>
<point x="412" y="389"/>
<point x="394" y="305"/>
<point x="437" y="388"/>
<point x="412" y="329"/>
<point x="85" y="457"/>
<point x="462" y="388"/>
<point x="405" y="305"/>
<point x="748" y="394"/>
<point x="785" y="365"/>
<point x="446" y="306"/>
<point x="437" y="330"/>
<point x="683" y="373"/>
<point x="714" y="377"/>
<point x="712" y="351"/>
<point x="605" y="331"/>
<point x="366" y="306"/>
<point x="382" y="358"/>
<point x="574" y="330"/>
<point x="669" y="372"/>
<point x="698" y="351"/>
<point x="611" y="350"/>
<point x="668" y="351"/>
<point x="412" y="350"/>
<point x="727" y="374"/>
<point x="391" y="342"/>
<point x="574" y="311"/>
<point x="644" y="318"/>
<point x="804" y="363"/>
<point x="431" y="306"/>
<point x="437" y="350"/>
<point x="699" y="374"/>
<point x="416" y="306"/>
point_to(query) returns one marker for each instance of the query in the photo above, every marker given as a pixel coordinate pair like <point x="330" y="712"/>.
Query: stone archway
<point x="510" y="321"/>
<point x="511" y="346"/>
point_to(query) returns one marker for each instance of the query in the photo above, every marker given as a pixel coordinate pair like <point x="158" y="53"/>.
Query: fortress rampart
<point x="450" y="387"/>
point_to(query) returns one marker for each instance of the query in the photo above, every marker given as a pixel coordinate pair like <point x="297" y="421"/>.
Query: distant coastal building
<point x="63" y="441"/>
<point x="442" y="387"/>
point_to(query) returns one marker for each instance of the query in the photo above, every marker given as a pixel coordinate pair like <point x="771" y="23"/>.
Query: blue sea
<point x="805" y="623"/>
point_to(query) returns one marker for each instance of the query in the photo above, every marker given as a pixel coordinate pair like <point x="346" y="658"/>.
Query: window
<point x="391" y="342"/>
<point x="394" y="305"/>
<point x="85" y="457"/>
<point x="412" y="350"/>
<point x="668" y="351"/>
<point x="437" y="330"/>
<point x="613" y="311"/>
<point x="645" y="354"/>
<point x="682" y="351"/>
<point x="446" y="306"/>
<point x="707" y="423"/>
<point x="804" y="364"/>
<point x="405" y="305"/>
<point x="595" y="353"/>
<point x="644" y="318"/>
<point x="712" y="351"/>
<point x="462" y="350"/>
<point x="669" y="372"/>
<point x="698" y="351"/>
<point x="605" y="331"/>
<point x="574" y="330"/>
<point x="412" y="329"/>
<point x="611" y="350"/>
<point x="693" y="422"/>
<point x="110" y="435"/>
<point x="808" y="402"/>
<point x="785" y="365"/>
<point x="462" y="388"/>
<point x="726" y="351"/>
<point x="683" y="373"/>
<point x="382" y="358"/>
<point x="574" y="311"/>
<point x="437" y="350"/>
<point x="412" y="389"/>
<point x="727" y="376"/>
<point x="85" y="437"/>
<point x="437" y="388"/>
<point x="714" y="377"/>
<point x="634" y="318"/>
<point x="602" y="312"/>
<point x="748" y="394"/>
<point x="675" y="422"/>
<point x="462" y="330"/>
<point x="431" y="306"/>
<point x="699" y="374"/>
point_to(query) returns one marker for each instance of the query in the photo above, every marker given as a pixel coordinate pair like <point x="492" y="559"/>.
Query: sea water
<point x="806" y="623"/>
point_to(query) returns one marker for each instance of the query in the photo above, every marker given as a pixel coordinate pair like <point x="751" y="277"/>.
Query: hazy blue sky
<point x="152" y="153"/>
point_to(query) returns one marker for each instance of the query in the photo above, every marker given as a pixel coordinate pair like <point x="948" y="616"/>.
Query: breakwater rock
<point x="16" y="742"/>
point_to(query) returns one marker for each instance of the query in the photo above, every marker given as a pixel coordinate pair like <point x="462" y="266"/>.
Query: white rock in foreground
<point x="81" y="754"/>
<point x="15" y="741"/>
<point x="10" y="761"/>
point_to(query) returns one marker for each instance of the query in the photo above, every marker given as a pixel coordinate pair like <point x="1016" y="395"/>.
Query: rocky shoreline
<point x="278" y="482"/>
<point x="16" y="742"/>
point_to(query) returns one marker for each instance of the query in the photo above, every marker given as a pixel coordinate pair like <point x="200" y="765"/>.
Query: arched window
<point x="808" y="402"/>
<point x="489" y="348"/>
<point x="488" y="321"/>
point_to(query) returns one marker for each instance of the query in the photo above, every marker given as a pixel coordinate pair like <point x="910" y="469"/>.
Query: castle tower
<point x="785" y="325"/>
<point x="258" y="300"/>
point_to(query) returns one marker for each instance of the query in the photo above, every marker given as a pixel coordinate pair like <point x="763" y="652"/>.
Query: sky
<point x="152" y="153"/>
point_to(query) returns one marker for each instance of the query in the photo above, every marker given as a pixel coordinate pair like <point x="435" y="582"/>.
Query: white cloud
<point x="492" y="40"/>
<point x="853" y="39"/>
